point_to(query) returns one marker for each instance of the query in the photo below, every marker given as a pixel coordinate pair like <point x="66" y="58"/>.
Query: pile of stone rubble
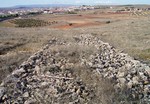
<point x="48" y="76"/>
<point x="119" y="67"/>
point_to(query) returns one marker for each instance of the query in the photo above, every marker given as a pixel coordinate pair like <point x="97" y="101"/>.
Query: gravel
<point x="48" y="76"/>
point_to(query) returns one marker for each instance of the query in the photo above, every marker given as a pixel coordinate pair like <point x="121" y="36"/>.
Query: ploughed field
<point x="85" y="79"/>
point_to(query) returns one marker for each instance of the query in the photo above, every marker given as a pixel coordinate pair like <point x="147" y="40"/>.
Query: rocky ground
<point x="62" y="71"/>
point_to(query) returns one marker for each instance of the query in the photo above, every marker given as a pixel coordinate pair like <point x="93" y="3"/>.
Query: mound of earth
<point x="62" y="71"/>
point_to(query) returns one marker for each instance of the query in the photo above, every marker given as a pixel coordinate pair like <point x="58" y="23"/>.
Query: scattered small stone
<point x="2" y="92"/>
<point x="26" y="95"/>
<point x="49" y="74"/>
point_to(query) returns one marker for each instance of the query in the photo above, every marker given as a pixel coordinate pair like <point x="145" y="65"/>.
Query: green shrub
<point x="71" y="12"/>
<point x="29" y="22"/>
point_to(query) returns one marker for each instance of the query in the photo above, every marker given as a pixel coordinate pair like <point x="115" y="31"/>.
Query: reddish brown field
<point x="125" y="31"/>
<point x="69" y="21"/>
<point x="77" y="25"/>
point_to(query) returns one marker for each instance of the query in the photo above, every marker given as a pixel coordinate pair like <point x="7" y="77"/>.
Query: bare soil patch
<point x="77" y="25"/>
<point x="127" y="33"/>
<point x="82" y="20"/>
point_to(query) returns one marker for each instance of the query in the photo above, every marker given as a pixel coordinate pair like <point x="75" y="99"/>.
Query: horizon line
<point x="115" y="4"/>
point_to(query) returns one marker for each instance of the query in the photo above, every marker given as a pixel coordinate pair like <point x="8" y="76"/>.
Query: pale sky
<point x="8" y="3"/>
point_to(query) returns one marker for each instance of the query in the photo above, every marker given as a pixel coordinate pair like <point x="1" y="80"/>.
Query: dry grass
<point x="29" y="23"/>
<point x="128" y="34"/>
<point x="6" y="24"/>
<point x="10" y="62"/>
<point x="102" y="90"/>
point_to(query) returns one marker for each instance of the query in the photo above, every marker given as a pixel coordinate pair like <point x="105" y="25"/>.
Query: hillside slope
<point x="81" y="70"/>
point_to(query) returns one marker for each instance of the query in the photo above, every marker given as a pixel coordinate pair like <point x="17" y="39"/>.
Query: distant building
<point x="2" y="13"/>
<point x="47" y="12"/>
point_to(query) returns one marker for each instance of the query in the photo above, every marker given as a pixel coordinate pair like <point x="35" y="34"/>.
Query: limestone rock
<point x="52" y="73"/>
<point x="26" y="95"/>
<point x="2" y="92"/>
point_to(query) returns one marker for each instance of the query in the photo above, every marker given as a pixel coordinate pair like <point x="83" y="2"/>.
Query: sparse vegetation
<point x="107" y="22"/>
<point x="144" y="55"/>
<point x="71" y="12"/>
<point x="30" y="23"/>
<point x="17" y="44"/>
<point x="70" y="24"/>
<point x="8" y="16"/>
<point x="11" y="62"/>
